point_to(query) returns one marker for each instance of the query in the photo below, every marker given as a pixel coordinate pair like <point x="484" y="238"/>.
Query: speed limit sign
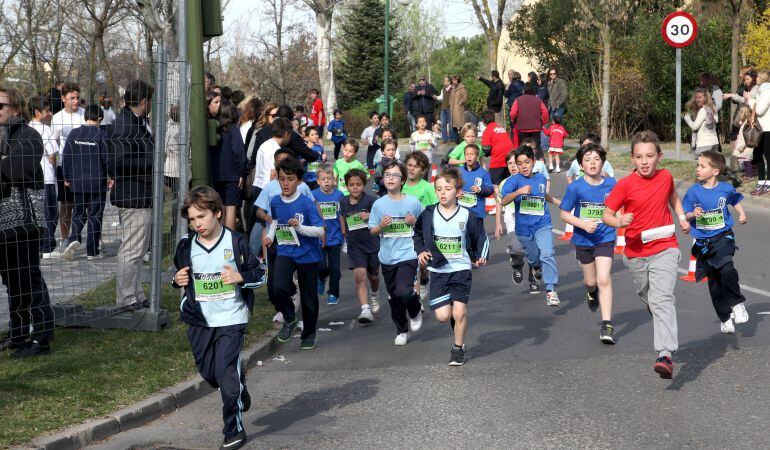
<point x="679" y="29"/>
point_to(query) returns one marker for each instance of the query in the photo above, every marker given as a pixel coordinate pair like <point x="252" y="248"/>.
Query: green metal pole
<point x="198" y="138"/>
<point x="386" y="88"/>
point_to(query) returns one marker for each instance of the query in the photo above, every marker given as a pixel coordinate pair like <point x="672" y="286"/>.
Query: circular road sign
<point x="679" y="29"/>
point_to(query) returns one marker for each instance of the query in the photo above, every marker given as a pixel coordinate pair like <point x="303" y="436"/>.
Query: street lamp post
<point x="386" y="87"/>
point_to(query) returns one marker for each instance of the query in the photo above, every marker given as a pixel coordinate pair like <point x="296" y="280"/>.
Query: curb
<point x="163" y="402"/>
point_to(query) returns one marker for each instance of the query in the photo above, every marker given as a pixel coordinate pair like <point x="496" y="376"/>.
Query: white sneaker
<point x="727" y="327"/>
<point x="416" y="323"/>
<point x="345" y="247"/>
<point x="366" y="315"/>
<point x="558" y="169"/>
<point x="740" y="314"/>
<point x="51" y="255"/>
<point x="374" y="301"/>
<point x="401" y="339"/>
<point x="424" y="293"/>
<point x="278" y="317"/>
<point x="552" y="298"/>
<point x="69" y="252"/>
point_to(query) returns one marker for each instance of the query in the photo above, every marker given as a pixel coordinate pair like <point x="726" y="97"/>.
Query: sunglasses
<point x="3" y="105"/>
<point x="392" y="175"/>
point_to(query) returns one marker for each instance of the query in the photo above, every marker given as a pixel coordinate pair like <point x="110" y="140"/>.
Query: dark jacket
<point x="409" y="102"/>
<point x="514" y="91"/>
<point x="84" y="159"/>
<point x="54" y="98"/>
<point x="475" y="237"/>
<point x="297" y="145"/>
<point x="423" y="104"/>
<point x="495" y="95"/>
<point x="247" y="265"/>
<point x="378" y="174"/>
<point x="227" y="159"/>
<point x="130" y="146"/>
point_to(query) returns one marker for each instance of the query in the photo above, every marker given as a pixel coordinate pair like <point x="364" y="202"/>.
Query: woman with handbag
<point x="761" y="106"/>
<point x="21" y="185"/>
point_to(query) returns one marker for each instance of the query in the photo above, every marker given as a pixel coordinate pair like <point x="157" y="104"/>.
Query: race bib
<point x="355" y="222"/>
<point x="397" y="228"/>
<point x="313" y="166"/>
<point x="338" y="132"/>
<point x="328" y="210"/>
<point x="592" y="211"/>
<point x="532" y="205"/>
<point x="286" y="235"/>
<point x="468" y="199"/>
<point x="209" y="287"/>
<point x="423" y="146"/>
<point x="450" y="247"/>
<point x="711" y="220"/>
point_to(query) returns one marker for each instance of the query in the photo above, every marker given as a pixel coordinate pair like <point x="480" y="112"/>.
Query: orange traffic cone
<point x="490" y="204"/>
<point x="691" y="271"/>
<point x="433" y="173"/>
<point x="568" y="230"/>
<point x="620" y="242"/>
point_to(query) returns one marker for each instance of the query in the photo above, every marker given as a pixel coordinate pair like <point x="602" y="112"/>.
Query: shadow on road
<point x="523" y="329"/>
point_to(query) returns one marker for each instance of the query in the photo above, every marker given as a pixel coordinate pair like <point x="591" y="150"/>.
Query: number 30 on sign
<point x="679" y="29"/>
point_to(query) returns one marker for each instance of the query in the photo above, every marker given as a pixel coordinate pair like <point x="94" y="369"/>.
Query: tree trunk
<point x="493" y="41"/>
<point x="325" y="61"/>
<point x="605" y="114"/>
<point x="736" y="43"/>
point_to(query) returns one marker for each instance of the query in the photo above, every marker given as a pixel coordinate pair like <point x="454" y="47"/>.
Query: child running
<point x="652" y="253"/>
<point x="217" y="272"/>
<point x="556" y="134"/>
<point x="533" y="223"/>
<point x="392" y="218"/>
<point x="594" y="241"/>
<point x="312" y="141"/>
<point x="362" y="245"/>
<point x="476" y="186"/>
<point x="456" y="157"/>
<point x="515" y="250"/>
<point x="705" y="204"/>
<point x="388" y="155"/>
<point x="296" y="228"/>
<point x="446" y="236"/>
<point x="348" y="161"/>
<point x="328" y="199"/>
<point x="424" y="140"/>
<point x="337" y="130"/>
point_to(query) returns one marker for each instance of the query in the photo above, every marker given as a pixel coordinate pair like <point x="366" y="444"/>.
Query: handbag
<point x="753" y="132"/>
<point x="20" y="207"/>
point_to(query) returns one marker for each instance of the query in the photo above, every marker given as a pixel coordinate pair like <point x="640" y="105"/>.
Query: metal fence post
<point x="184" y="115"/>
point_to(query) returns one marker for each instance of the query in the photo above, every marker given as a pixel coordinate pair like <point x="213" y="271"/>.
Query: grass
<point x="91" y="372"/>
<point x="681" y="169"/>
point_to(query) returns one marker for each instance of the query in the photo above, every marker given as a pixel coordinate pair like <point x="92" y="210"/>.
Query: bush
<point x="756" y="42"/>
<point x="583" y="107"/>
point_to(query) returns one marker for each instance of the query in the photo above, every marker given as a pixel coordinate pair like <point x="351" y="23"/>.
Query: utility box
<point x="383" y="106"/>
<point x="211" y="10"/>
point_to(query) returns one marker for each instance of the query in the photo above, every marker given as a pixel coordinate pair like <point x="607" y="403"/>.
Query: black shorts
<point x="358" y="260"/>
<point x="587" y="255"/>
<point x="63" y="193"/>
<point x="498" y="174"/>
<point x="446" y="288"/>
<point x="229" y="192"/>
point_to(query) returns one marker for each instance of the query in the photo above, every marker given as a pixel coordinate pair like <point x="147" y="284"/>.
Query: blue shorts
<point x="449" y="287"/>
<point x="229" y="192"/>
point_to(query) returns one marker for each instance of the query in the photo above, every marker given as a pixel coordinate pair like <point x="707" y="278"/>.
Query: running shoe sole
<point x="664" y="370"/>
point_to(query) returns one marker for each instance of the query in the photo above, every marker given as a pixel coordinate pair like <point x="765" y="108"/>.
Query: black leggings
<point x="762" y="157"/>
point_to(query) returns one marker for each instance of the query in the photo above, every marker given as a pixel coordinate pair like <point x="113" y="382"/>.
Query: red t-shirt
<point x="557" y="134"/>
<point x="647" y="200"/>
<point x="317" y="114"/>
<point x="496" y="137"/>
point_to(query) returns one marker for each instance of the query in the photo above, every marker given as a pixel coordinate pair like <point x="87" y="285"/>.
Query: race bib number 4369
<point x="397" y="228"/>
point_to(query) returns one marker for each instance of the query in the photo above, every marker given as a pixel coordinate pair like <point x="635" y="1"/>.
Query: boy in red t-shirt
<point x="496" y="143"/>
<point x="557" y="133"/>
<point x="652" y="253"/>
<point x="317" y="114"/>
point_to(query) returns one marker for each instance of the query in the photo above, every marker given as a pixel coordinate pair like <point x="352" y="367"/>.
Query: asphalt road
<point x="535" y="377"/>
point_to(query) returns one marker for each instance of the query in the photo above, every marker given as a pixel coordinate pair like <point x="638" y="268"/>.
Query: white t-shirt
<point x="368" y="135"/>
<point x="245" y="129"/>
<point x="51" y="148"/>
<point x="109" y="116"/>
<point x="265" y="163"/>
<point x="63" y="122"/>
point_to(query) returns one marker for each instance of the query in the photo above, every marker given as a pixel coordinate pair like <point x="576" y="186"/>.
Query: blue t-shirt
<point x="716" y="218"/>
<point x="273" y="189"/>
<point x="531" y="210"/>
<point x="303" y="209"/>
<point x="311" y="167"/>
<point x="396" y="243"/>
<point x="330" y="211"/>
<point x="475" y="202"/>
<point x="588" y="203"/>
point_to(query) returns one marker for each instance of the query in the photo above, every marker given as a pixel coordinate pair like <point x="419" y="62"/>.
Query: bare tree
<point x="736" y="12"/>
<point x="324" y="15"/>
<point x="492" y="18"/>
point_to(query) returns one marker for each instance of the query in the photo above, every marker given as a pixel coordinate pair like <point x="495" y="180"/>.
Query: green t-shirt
<point x="341" y="167"/>
<point x="459" y="152"/>
<point x="423" y="191"/>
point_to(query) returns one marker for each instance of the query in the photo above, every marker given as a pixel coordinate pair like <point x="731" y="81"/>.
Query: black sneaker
<point x="9" y="344"/>
<point x="534" y="287"/>
<point x="286" y="330"/>
<point x="458" y="356"/>
<point x="518" y="276"/>
<point x="245" y="397"/>
<point x="308" y="343"/>
<point x="606" y="335"/>
<point x="538" y="273"/>
<point x="33" y="349"/>
<point x="234" y="442"/>
<point x="592" y="299"/>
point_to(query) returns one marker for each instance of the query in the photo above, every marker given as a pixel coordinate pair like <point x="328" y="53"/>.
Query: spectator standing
<point x="444" y="116"/>
<point x="557" y="94"/>
<point x="528" y="116"/>
<point x="55" y="97"/>
<point x="409" y="107"/>
<point x="208" y="81"/>
<point x="105" y="102"/>
<point x="249" y="113"/>
<point x="317" y="113"/>
<point x="762" y="152"/>
<point x="457" y="105"/>
<point x="495" y="95"/>
<point x="367" y="138"/>
<point x="514" y="90"/>
<point x="712" y="85"/>
<point x="131" y="148"/>
<point x="227" y="163"/>
<point x="40" y="115"/>
<point x="173" y="164"/>
<point x="702" y="120"/>
<point x="747" y="88"/>
<point x="424" y="103"/>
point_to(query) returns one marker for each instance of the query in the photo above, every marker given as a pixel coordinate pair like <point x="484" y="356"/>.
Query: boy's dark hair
<point x="93" y="112"/>
<point x="451" y="174"/>
<point x="373" y="113"/>
<point x="716" y="160"/>
<point x="589" y="148"/>
<point x="488" y="116"/>
<point x="308" y="130"/>
<point x="396" y="163"/>
<point x="384" y="115"/>
<point x="290" y="166"/>
<point x="285" y="111"/>
<point x="420" y="158"/>
<point x="238" y="96"/>
<point x="593" y="137"/>
<point x="539" y="154"/>
<point x="299" y="108"/>
<point x="38" y="104"/>
<point x="420" y="116"/>
<point x="227" y="92"/>
<point x="136" y="91"/>
<point x="355" y="173"/>
<point x="202" y="197"/>
<point x="283" y="151"/>
<point x="211" y="78"/>
<point x="281" y="126"/>
<point x="495" y="73"/>
<point x="473" y="147"/>
<point x="228" y="115"/>
<point x="69" y="87"/>
<point x="528" y="141"/>
<point x="525" y="150"/>
<point x="645" y="137"/>
<point x="511" y="154"/>
<point x="337" y="111"/>
<point x="556" y="118"/>
<point x="529" y="89"/>
<point x="386" y="142"/>
<point x="353" y="143"/>
<point x="315" y="91"/>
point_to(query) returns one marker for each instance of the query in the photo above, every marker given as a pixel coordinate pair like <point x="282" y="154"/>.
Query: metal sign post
<point x="679" y="30"/>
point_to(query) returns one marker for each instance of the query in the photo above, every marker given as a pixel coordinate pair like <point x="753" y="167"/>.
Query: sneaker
<point x="558" y="169"/>
<point x="552" y="298"/>
<point x="416" y="323"/>
<point x="518" y="276"/>
<point x="374" y="301"/>
<point x="538" y="274"/>
<point x="727" y="327"/>
<point x="424" y="292"/>
<point x="765" y="189"/>
<point x="308" y="343"/>
<point x="321" y="287"/>
<point x="245" y="399"/>
<point x="69" y="251"/>
<point x="457" y="357"/>
<point x="33" y="349"/>
<point x="51" y="255"/>
<point x="286" y="330"/>
<point x="592" y="300"/>
<point x="278" y="318"/>
<point x="234" y="442"/>
<point x="345" y="247"/>
<point x="664" y="367"/>
<point x="757" y="189"/>
<point x="606" y="334"/>
<point x="95" y="257"/>
<point x="534" y="287"/>
<point x="366" y="316"/>
<point x="401" y="339"/>
<point x="332" y="300"/>
<point x="740" y="314"/>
